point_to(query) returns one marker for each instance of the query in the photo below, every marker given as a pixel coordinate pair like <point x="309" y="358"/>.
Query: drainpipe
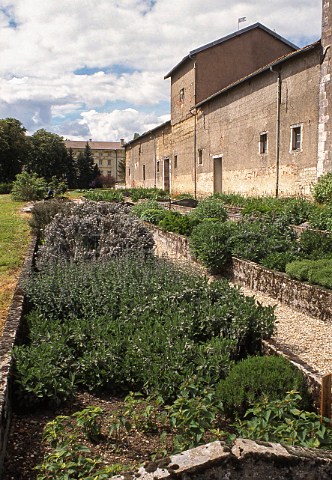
<point x="116" y="165"/>
<point x="278" y="130"/>
<point x="155" y="160"/>
<point x="194" y="112"/>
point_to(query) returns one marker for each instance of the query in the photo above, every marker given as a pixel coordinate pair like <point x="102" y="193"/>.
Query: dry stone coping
<point x="245" y="459"/>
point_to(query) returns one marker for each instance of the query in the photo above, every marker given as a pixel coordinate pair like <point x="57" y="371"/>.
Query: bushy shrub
<point x="153" y="215"/>
<point x="278" y="260"/>
<point x="254" y="239"/>
<point x="314" y="245"/>
<point x="173" y="221"/>
<point x="104" y="196"/>
<point x="28" y="187"/>
<point x="258" y="378"/>
<point x="284" y="421"/>
<point x="234" y="199"/>
<point x="93" y="230"/>
<point x="318" y="272"/>
<point x="133" y="324"/>
<point x="208" y="243"/>
<point x="321" y="217"/>
<point x="43" y="213"/>
<point x="140" y="208"/>
<point x="210" y="208"/>
<point x="322" y="190"/>
<point x="5" y="188"/>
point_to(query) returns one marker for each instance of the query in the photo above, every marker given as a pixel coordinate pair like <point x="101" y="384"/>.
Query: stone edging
<point x="9" y="338"/>
<point x="245" y="459"/>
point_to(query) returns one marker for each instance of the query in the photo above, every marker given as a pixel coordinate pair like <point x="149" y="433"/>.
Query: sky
<point x="94" y="69"/>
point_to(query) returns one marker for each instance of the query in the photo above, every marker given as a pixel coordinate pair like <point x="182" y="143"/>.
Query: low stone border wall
<point x="10" y="337"/>
<point x="243" y="460"/>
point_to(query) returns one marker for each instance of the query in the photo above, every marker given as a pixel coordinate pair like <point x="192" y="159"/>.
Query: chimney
<point x="122" y="141"/>
<point x="324" y="160"/>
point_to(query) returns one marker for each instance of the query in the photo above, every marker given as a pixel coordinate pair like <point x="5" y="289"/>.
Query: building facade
<point x="107" y="155"/>
<point x="250" y="113"/>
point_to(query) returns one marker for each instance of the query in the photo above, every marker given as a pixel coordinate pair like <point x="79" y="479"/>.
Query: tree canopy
<point x="13" y="148"/>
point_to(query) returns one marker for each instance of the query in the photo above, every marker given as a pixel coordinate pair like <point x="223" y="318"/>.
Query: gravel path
<point x="309" y="338"/>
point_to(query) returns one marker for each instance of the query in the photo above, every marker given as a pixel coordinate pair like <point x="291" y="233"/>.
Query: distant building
<point x="107" y="155"/>
<point x="250" y="113"/>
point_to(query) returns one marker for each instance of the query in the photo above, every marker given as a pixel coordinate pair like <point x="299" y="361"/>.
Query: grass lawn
<point x="14" y="240"/>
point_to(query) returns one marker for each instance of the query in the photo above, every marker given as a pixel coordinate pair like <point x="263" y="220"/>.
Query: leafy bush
<point x="318" y="272"/>
<point x="209" y="244"/>
<point x="210" y="208"/>
<point x="28" y="186"/>
<point x="5" y="188"/>
<point x="322" y="190"/>
<point x="102" y="317"/>
<point x="43" y="213"/>
<point x="58" y="186"/>
<point x="234" y="199"/>
<point x="258" y="378"/>
<point x="284" y="421"/>
<point x="182" y="196"/>
<point x="93" y="230"/>
<point x="314" y="245"/>
<point x="105" y="196"/>
<point x="278" y="260"/>
<point x="140" y="208"/>
<point x="321" y="217"/>
<point x="153" y="215"/>
<point x="173" y="221"/>
<point x="255" y="240"/>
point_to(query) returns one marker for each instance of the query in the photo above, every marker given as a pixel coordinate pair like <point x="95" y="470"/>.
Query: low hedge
<point x="318" y="272"/>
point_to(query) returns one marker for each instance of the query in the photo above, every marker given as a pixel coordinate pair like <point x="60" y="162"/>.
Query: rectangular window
<point x="128" y="172"/>
<point x="108" y="162"/>
<point x="296" y="137"/>
<point x="100" y="163"/>
<point x="175" y="161"/>
<point x="263" y="143"/>
<point x="109" y="173"/>
<point x="181" y="95"/>
<point x="143" y="172"/>
<point x="158" y="167"/>
<point x="200" y="157"/>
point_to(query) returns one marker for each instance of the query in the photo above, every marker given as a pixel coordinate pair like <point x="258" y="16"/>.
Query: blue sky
<point x="87" y="69"/>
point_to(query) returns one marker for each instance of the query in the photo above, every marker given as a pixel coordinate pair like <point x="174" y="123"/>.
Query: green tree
<point x="28" y="186"/>
<point x="71" y="172"/>
<point x="13" y="148"/>
<point x="87" y="171"/>
<point x="48" y="155"/>
<point x="122" y="170"/>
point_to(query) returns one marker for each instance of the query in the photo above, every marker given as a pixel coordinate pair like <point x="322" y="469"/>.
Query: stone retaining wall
<point x="10" y="337"/>
<point x="244" y="460"/>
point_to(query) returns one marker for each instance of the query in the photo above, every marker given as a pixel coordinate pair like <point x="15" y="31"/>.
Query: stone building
<point x="107" y="155"/>
<point x="250" y="113"/>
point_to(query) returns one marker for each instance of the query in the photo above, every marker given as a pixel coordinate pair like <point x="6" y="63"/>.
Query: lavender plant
<point x="90" y="231"/>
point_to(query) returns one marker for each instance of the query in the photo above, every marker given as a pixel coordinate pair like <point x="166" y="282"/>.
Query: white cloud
<point x="53" y="39"/>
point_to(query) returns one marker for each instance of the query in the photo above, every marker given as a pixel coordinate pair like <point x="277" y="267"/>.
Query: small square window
<point x="263" y="143"/>
<point x="296" y="138"/>
<point x="200" y="157"/>
<point x="175" y="161"/>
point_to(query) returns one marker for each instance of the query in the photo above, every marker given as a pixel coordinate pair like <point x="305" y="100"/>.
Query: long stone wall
<point x="10" y="337"/>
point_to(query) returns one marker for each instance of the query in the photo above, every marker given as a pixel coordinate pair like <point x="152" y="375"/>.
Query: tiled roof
<point x="228" y="37"/>
<point x="93" y="145"/>
<point x="275" y="62"/>
<point x="149" y="132"/>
